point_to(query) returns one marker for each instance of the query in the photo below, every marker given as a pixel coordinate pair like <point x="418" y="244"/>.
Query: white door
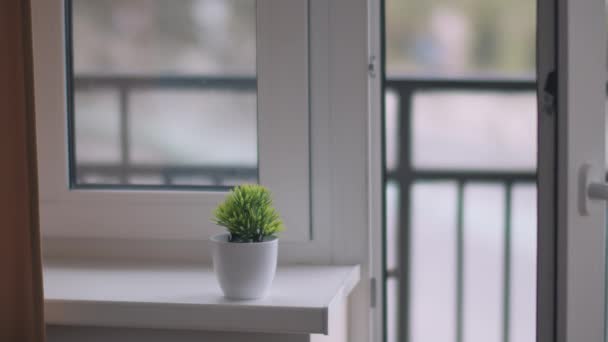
<point x="572" y="172"/>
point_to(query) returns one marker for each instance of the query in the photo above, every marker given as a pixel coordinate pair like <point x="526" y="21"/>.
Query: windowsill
<point x="302" y="300"/>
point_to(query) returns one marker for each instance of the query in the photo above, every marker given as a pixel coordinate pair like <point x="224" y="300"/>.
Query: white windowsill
<point x="302" y="300"/>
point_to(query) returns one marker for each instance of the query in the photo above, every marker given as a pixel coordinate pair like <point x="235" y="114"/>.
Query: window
<point x="149" y="112"/>
<point x="312" y="149"/>
<point x="460" y="170"/>
<point x="162" y="94"/>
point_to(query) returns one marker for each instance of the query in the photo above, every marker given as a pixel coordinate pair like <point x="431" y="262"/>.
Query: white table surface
<point x="302" y="298"/>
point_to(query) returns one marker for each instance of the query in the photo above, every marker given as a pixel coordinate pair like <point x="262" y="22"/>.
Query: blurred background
<point x="164" y="92"/>
<point x="460" y="136"/>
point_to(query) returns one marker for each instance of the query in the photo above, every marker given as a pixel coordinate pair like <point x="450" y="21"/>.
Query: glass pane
<point x="460" y="37"/>
<point x="179" y="92"/>
<point x="522" y="297"/>
<point x="97" y="126"/>
<point x="433" y="262"/>
<point x="391" y="123"/>
<point x="143" y="37"/>
<point x="187" y="129"/>
<point x="481" y="130"/>
<point x="483" y="268"/>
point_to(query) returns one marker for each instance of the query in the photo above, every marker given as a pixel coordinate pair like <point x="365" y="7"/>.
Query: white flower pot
<point x="244" y="270"/>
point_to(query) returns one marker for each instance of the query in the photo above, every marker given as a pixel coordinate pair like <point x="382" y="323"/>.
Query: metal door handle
<point x="588" y="189"/>
<point x="598" y="191"/>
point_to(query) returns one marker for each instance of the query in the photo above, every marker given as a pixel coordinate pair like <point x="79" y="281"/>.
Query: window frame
<point x="344" y="142"/>
<point x="283" y="138"/>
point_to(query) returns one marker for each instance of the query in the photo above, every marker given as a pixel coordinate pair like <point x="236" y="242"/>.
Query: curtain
<point x="21" y="300"/>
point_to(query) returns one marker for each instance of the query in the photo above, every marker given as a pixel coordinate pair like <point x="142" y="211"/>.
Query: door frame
<point x="572" y="228"/>
<point x="546" y="76"/>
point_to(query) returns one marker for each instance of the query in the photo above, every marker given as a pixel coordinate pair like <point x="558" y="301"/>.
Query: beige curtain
<point x="21" y="301"/>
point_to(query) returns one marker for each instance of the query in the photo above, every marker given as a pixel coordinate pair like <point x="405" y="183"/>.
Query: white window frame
<point x="344" y="142"/>
<point x="342" y="138"/>
<point x="283" y="140"/>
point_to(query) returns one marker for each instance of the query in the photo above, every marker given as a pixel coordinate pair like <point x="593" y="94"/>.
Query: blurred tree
<point x="159" y="36"/>
<point x="497" y="37"/>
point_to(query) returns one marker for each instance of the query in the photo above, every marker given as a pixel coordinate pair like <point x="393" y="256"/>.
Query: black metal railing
<point x="169" y="176"/>
<point x="121" y="172"/>
<point x="405" y="175"/>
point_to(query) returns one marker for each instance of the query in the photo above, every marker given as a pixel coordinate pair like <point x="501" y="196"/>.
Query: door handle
<point x="598" y="191"/>
<point x="589" y="188"/>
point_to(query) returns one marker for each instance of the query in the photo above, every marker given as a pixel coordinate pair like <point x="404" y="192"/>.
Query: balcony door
<point x="493" y="115"/>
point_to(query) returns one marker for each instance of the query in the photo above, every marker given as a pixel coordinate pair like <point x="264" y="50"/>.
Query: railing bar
<point x="465" y="84"/>
<point x="507" y="261"/>
<point x="406" y="175"/>
<point x="167" y="177"/>
<point x="216" y="180"/>
<point x="172" y="170"/>
<point x="404" y="259"/>
<point x="460" y="262"/>
<point x="250" y="83"/>
<point x="159" y="82"/>
<point x="149" y="187"/>
<point x="393" y="273"/>
<point x="124" y="133"/>
<point x="404" y="77"/>
<point x="209" y="79"/>
<point x="405" y="181"/>
<point x="466" y="176"/>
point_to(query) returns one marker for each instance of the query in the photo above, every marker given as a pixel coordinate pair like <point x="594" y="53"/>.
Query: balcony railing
<point x="405" y="175"/>
<point x="215" y="176"/>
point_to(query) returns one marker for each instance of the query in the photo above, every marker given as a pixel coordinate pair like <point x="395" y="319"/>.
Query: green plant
<point x="248" y="214"/>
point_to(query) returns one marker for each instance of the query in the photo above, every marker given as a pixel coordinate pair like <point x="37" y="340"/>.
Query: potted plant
<point x="245" y="258"/>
